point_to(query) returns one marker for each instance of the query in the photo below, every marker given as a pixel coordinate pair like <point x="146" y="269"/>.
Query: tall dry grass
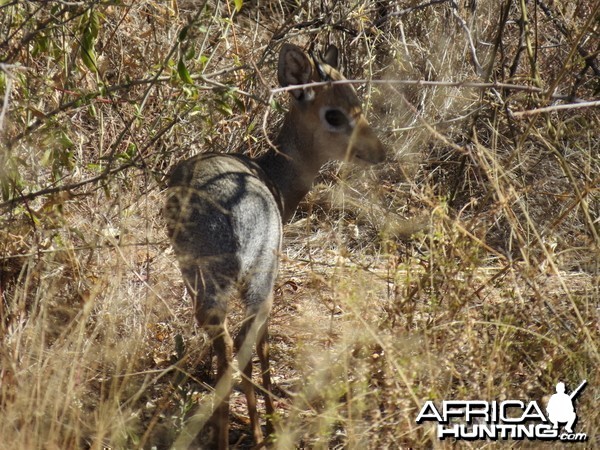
<point x="466" y="267"/>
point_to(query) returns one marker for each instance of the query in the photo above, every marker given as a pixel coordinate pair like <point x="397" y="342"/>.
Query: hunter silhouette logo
<point x="508" y="419"/>
<point x="560" y="407"/>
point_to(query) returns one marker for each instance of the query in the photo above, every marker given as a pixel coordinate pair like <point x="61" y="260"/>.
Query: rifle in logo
<point x="575" y="393"/>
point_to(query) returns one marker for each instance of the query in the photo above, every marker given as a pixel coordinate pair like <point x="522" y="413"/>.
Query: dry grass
<point x="466" y="267"/>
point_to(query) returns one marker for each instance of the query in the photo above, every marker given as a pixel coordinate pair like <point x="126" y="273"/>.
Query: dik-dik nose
<point x="365" y="146"/>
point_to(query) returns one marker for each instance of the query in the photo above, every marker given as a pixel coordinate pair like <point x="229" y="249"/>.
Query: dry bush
<point x="466" y="267"/>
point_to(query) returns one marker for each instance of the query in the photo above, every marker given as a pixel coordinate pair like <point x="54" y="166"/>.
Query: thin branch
<point x="425" y="83"/>
<point x="532" y="112"/>
<point x="466" y="29"/>
<point x="7" y="90"/>
<point x="54" y="190"/>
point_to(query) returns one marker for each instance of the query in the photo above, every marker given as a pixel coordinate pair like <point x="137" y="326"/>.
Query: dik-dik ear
<point x="331" y="56"/>
<point x="295" y="68"/>
<point x="326" y="64"/>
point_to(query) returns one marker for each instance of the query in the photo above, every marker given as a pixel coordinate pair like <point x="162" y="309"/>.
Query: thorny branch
<point x="590" y="59"/>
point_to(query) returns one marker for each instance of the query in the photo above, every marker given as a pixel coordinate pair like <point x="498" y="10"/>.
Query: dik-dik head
<point x="327" y="119"/>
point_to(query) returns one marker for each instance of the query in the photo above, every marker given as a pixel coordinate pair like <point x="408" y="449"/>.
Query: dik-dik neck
<point x="294" y="165"/>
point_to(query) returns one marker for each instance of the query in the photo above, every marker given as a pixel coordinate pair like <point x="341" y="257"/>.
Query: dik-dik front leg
<point x="262" y="348"/>
<point x="244" y="344"/>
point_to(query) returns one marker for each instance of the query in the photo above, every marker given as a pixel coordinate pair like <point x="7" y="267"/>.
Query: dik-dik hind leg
<point x="211" y="314"/>
<point x="214" y="322"/>
<point x="223" y="346"/>
<point x="251" y="333"/>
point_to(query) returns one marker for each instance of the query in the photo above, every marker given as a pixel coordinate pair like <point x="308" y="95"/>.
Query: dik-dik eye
<point x="335" y="119"/>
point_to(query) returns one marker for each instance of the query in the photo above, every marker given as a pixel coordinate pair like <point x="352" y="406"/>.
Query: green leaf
<point x="65" y="141"/>
<point x="88" y="56"/>
<point x="183" y="72"/>
<point x="223" y="107"/>
<point x="88" y="41"/>
<point x="94" y="24"/>
<point x="238" y="5"/>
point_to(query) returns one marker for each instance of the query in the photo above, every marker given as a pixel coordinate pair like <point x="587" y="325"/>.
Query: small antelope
<point x="225" y="214"/>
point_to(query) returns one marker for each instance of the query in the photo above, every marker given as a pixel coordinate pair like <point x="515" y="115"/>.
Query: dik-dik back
<point x="225" y="214"/>
<point x="225" y="228"/>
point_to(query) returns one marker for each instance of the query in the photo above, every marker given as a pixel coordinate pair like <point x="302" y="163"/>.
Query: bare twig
<point x="6" y="68"/>
<point x="425" y="83"/>
<point x="590" y="59"/>
<point x="467" y="30"/>
<point x="532" y="112"/>
<point x="576" y="41"/>
<point x="98" y="178"/>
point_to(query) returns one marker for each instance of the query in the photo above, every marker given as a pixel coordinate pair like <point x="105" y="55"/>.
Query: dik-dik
<point x="225" y="214"/>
